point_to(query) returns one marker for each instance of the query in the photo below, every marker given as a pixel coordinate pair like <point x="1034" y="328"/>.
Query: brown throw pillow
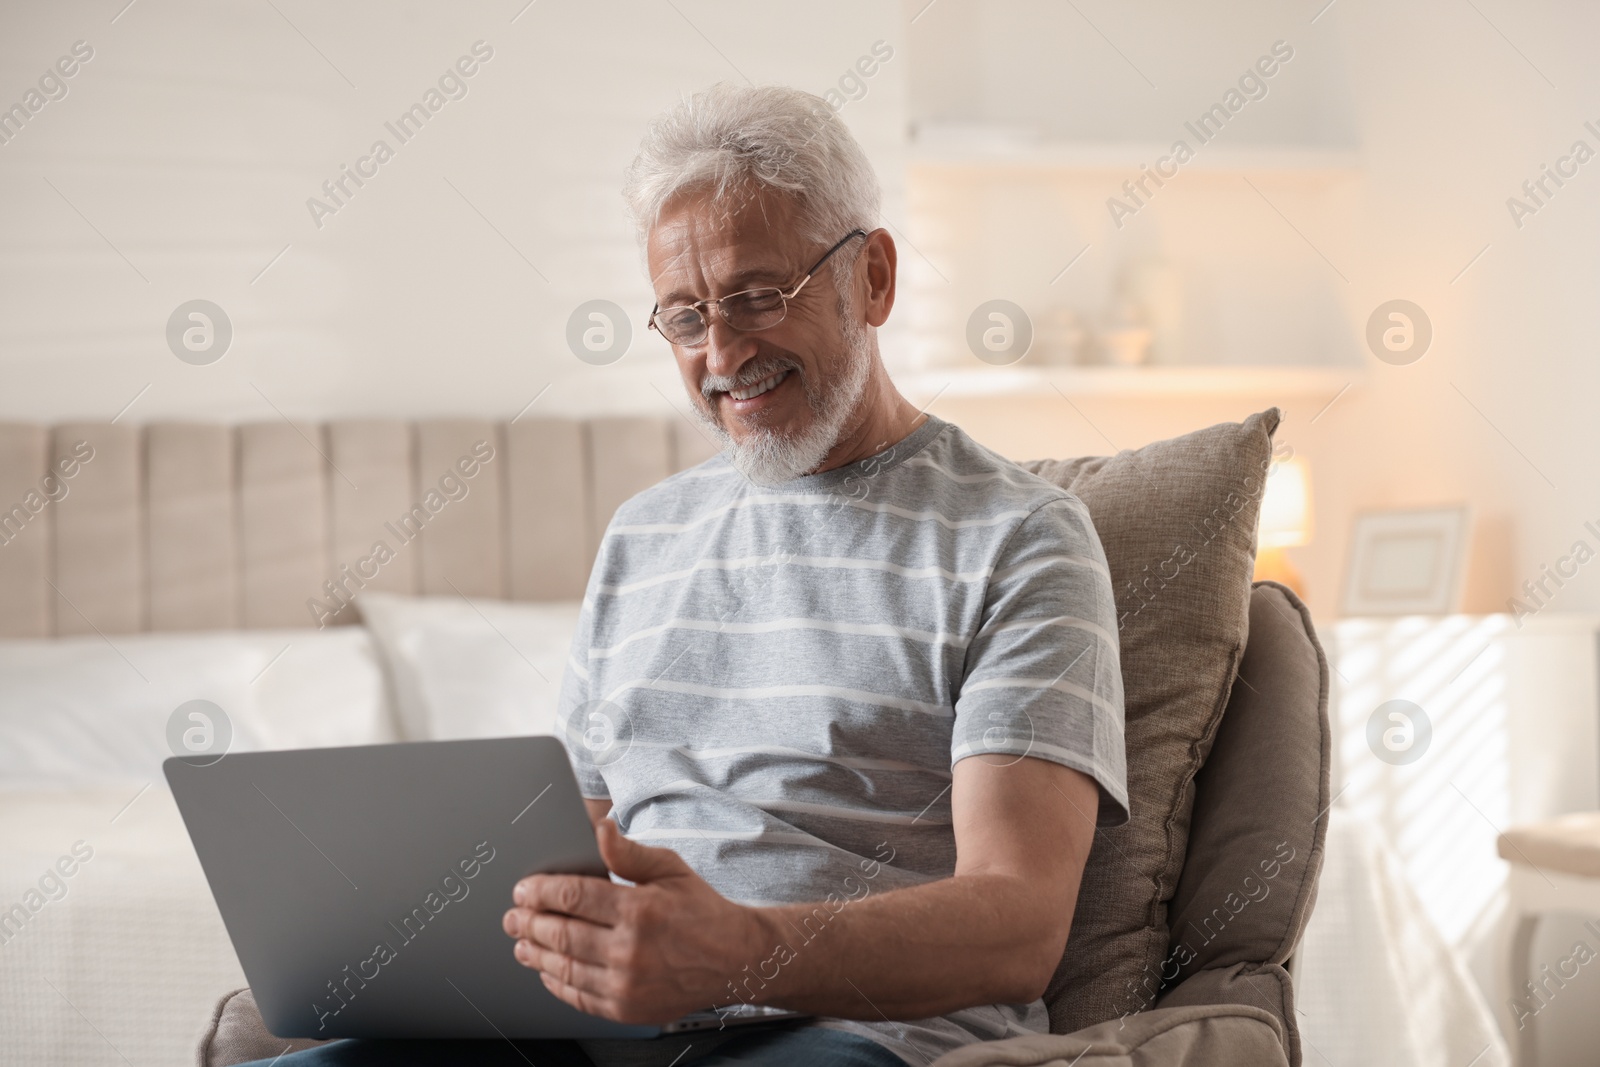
<point x="1178" y="522"/>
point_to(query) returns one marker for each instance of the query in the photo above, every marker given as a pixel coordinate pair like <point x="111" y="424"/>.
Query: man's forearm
<point x="911" y="953"/>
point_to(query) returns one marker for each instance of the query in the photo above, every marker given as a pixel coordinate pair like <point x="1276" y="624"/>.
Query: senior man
<point x="844" y="700"/>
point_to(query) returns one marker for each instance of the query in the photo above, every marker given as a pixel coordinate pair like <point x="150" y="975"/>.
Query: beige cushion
<point x="1569" y="844"/>
<point x="1262" y="794"/>
<point x="236" y="1034"/>
<point x="1177" y="520"/>
<point x="1260" y="817"/>
<point x="1229" y="1035"/>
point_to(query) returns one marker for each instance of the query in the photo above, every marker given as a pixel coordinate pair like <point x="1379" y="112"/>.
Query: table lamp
<point x="1285" y="522"/>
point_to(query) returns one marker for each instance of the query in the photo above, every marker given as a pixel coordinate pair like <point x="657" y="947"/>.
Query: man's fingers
<point x="608" y="1007"/>
<point x="570" y="894"/>
<point x="578" y="998"/>
<point x="587" y="977"/>
<point x="577" y="938"/>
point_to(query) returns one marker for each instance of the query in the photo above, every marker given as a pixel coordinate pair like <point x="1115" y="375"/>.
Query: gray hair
<point x="733" y="140"/>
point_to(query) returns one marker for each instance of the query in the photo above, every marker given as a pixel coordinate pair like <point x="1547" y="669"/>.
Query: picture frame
<point x="1407" y="561"/>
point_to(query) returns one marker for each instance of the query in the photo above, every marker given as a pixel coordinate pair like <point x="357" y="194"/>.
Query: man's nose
<point x="726" y="349"/>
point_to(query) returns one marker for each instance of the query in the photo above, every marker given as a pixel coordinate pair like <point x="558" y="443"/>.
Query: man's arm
<point x="992" y="934"/>
<point x="670" y="944"/>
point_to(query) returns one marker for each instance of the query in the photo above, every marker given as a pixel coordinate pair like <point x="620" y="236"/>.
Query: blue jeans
<point x="757" y="1046"/>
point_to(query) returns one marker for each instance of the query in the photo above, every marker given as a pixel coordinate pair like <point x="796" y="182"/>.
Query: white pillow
<point x="327" y="689"/>
<point x="78" y="710"/>
<point x="74" y="711"/>
<point x="480" y="669"/>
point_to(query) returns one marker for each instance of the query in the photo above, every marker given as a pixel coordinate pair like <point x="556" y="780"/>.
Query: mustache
<point x="759" y="369"/>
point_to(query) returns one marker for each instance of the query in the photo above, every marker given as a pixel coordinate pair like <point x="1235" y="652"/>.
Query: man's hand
<point x="646" y="953"/>
<point x="990" y="934"/>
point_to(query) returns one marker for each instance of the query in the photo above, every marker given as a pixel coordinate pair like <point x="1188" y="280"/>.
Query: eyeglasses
<point x="746" y="311"/>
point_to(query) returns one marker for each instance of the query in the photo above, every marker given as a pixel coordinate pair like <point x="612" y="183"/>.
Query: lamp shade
<point x="1286" y="508"/>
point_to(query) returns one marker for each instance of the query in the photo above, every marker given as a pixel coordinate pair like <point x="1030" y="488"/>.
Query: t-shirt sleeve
<point x="1042" y="676"/>
<point x="575" y="707"/>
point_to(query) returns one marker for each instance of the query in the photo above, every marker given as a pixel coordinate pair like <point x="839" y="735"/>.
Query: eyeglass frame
<point x="702" y="305"/>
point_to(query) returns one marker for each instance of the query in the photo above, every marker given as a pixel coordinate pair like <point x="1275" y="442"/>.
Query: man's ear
<point x="881" y="260"/>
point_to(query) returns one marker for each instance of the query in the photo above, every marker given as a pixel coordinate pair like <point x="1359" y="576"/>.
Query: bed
<point x="310" y="584"/>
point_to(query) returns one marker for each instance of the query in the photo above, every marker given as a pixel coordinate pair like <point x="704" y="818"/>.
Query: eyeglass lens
<point x="756" y="309"/>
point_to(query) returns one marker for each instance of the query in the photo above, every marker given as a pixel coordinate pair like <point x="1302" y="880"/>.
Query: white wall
<point x="1448" y="119"/>
<point x="193" y="138"/>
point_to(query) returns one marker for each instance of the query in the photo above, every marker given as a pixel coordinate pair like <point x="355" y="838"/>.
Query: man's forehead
<point x="697" y="245"/>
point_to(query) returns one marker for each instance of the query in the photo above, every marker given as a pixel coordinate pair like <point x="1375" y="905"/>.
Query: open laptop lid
<point x="363" y="888"/>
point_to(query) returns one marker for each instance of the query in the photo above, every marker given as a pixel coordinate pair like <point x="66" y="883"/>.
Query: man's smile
<point x="760" y="387"/>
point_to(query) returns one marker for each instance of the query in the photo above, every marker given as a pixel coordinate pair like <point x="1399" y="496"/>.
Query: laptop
<point x="363" y="888"/>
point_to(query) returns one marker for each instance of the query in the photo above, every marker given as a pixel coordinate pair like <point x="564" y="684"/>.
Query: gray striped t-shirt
<point x="775" y="682"/>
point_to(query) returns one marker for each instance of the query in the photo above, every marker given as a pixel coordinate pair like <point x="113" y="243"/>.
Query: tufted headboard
<point x="114" y="529"/>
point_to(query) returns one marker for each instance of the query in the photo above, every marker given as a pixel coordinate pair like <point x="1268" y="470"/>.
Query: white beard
<point x="767" y="457"/>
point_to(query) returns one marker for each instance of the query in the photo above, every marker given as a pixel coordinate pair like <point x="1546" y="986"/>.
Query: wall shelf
<point x="1000" y="154"/>
<point x="1175" y="381"/>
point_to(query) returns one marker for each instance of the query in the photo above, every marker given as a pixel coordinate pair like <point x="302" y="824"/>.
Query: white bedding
<point x="125" y="964"/>
<point x="125" y="967"/>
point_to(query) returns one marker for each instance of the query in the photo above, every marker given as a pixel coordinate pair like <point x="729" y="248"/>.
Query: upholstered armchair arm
<point x="236" y="1034"/>
<point x="1202" y="1035"/>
